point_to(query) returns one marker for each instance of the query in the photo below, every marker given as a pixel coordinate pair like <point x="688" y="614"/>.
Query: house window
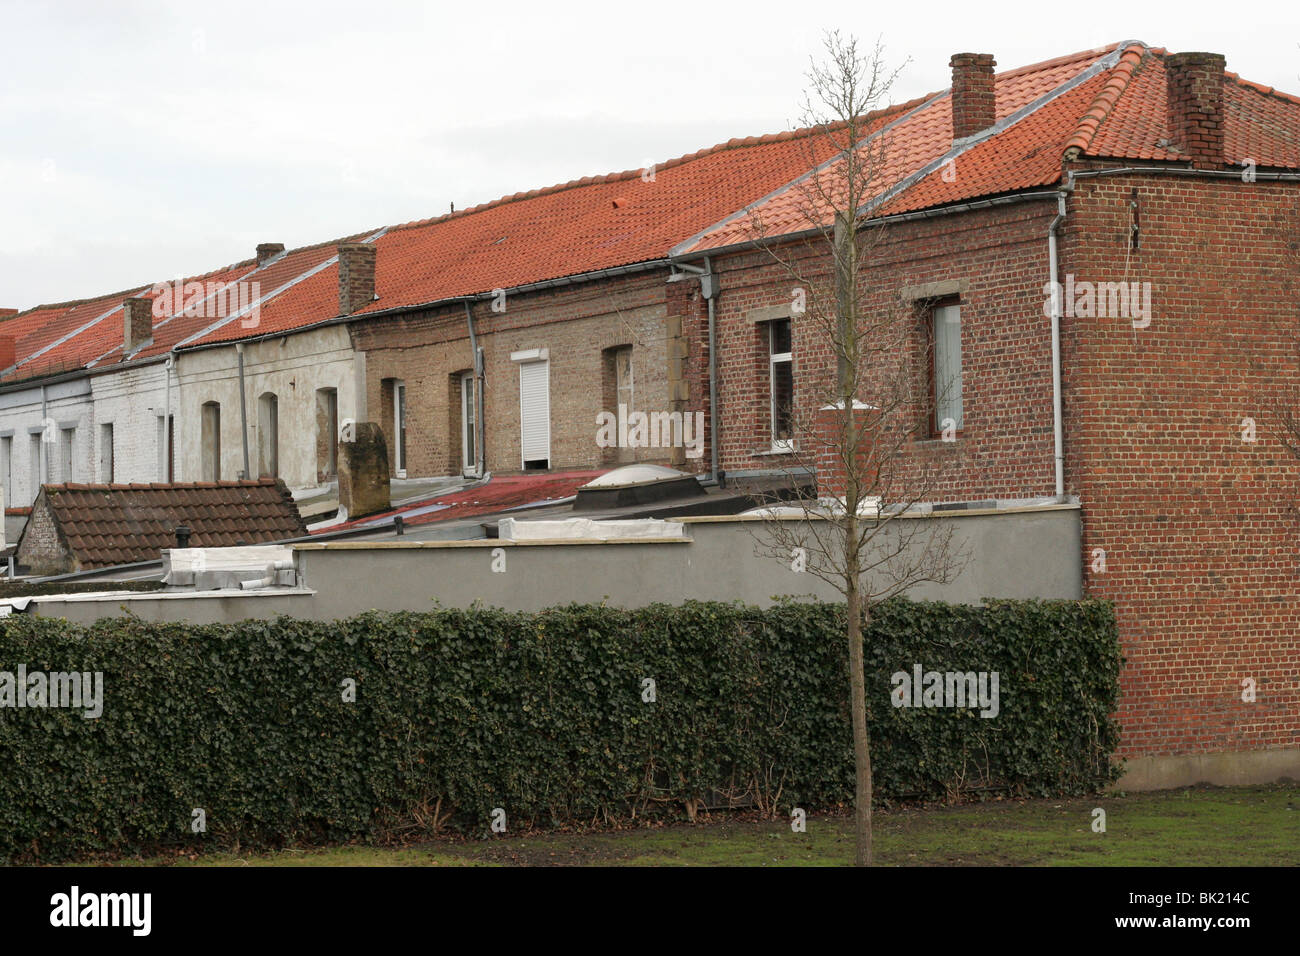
<point x="781" y="385"/>
<point x="535" y="414"/>
<point x="66" y="439"/>
<point x="210" y="439"/>
<point x="7" y="467"/>
<point x="399" y="428"/>
<point x="35" y="444"/>
<point x="946" y="380"/>
<point x="106" y="453"/>
<point x="268" y="435"/>
<point x="617" y="396"/>
<point x="166" y="455"/>
<point x="623" y="378"/>
<point x="327" y="433"/>
<point x="468" y="420"/>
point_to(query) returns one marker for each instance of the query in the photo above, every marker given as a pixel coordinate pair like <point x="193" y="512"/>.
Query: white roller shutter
<point x="535" y="411"/>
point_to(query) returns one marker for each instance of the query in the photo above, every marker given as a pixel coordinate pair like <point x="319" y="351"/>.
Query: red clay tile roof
<point x="1102" y="104"/>
<point x="553" y="233"/>
<point x="105" y="525"/>
<point x="1106" y="103"/>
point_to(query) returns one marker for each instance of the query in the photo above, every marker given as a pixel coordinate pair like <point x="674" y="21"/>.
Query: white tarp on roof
<point x="588" y="529"/>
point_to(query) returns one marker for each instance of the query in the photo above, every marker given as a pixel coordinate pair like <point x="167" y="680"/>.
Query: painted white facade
<point x="133" y="402"/>
<point x="46" y="435"/>
<point x="44" y="430"/>
<point x="68" y="418"/>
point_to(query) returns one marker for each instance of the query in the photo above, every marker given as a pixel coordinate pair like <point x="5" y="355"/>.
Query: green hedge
<point x="459" y="712"/>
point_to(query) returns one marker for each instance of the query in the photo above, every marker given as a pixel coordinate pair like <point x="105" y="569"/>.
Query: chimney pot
<point x="1194" y="94"/>
<point x="974" y="107"/>
<point x="137" y="323"/>
<point x="356" y="276"/>
<point x="268" y="250"/>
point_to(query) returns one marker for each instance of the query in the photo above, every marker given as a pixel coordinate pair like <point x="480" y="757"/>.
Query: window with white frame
<point x="780" y="385"/>
<point x="399" y="428"/>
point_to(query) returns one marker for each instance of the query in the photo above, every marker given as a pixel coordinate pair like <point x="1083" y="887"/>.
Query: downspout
<point x="480" y="457"/>
<point x="1053" y="267"/>
<point x="44" y="452"/>
<point x="167" y="416"/>
<point x="709" y="286"/>
<point x="243" y="409"/>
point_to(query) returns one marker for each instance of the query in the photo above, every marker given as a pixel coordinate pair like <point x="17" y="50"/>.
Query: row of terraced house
<point x="493" y="339"/>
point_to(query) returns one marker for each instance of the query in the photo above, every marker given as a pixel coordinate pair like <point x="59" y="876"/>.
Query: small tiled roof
<point x="104" y="525"/>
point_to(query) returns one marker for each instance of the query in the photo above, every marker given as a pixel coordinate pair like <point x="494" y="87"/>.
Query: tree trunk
<point x="858" y="709"/>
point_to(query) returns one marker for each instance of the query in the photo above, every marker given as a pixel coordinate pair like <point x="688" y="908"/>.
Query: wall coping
<point x="958" y="513"/>
<point x="687" y="520"/>
<point x="475" y="543"/>
<point x="94" y="597"/>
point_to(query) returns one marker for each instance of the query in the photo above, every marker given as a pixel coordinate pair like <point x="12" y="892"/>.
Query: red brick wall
<point x="1006" y="448"/>
<point x="1198" y="527"/>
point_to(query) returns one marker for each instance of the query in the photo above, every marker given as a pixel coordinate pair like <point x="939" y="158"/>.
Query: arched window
<point x="268" y="435"/>
<point x="210" y="439"/>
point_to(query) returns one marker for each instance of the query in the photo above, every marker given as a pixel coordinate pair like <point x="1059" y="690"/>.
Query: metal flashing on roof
<point x="960" y="146"/>
<point x="682" y="247"/>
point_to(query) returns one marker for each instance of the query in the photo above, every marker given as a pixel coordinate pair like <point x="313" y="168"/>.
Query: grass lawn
<point x="1205" y="826"/>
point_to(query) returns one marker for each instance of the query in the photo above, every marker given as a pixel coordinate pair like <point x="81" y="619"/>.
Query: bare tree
<point x="867" y="420"/>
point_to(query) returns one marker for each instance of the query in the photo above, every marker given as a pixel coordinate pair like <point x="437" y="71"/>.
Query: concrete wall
<point x="292" y="368"/>
<point x="1018" y="554"/>
<point x="1028" y="553"/>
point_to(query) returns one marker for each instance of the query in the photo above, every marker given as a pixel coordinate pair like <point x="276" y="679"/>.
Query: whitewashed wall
<point x="133" y="401"/>
<point x="293" y="367"/>
<point x="23" y="415"/>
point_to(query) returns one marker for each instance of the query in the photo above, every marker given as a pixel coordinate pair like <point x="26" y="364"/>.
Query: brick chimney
<point x="268" y="250"/>
<point x="1194" y="94"/>
<point x="5" y="313"/>
<point x="8" y="355"/>
<point x="356" y="276"/>
<point x="973" y="104"/>
<point x="137" y="323"/>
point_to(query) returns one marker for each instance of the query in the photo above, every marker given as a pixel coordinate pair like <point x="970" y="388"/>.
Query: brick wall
<point x="577" y="325"/>
<point x="999" y="257"/>
<point x="131" y="401"/>
<point x="1198" y="526"/>
<point x="40" y="548"/>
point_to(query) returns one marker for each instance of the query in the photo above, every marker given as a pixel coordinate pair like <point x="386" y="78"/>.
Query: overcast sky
<point x="142" y="141"/>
